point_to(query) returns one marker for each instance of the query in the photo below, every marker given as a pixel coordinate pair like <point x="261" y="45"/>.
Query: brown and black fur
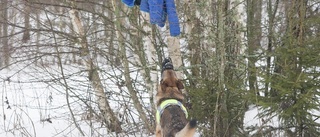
<point x="173" y="122"/>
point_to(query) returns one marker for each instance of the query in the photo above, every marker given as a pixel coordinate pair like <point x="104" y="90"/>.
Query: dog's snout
<point x="167" y="64"/>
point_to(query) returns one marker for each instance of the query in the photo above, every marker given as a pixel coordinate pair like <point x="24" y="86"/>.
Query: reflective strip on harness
<point x="167" y="103"/>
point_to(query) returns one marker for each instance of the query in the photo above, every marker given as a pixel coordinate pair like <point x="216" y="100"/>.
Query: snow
<point x="37" y="105"/>
<point x="36" y="101"/>
<point x="252" y="118"/>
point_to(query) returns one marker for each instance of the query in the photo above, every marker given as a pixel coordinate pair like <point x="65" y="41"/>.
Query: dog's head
<point x="170" y="80"/>
<point x="170" y="85"/>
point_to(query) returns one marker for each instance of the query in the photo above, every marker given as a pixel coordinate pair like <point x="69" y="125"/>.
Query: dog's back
<point x="175" y="123"/>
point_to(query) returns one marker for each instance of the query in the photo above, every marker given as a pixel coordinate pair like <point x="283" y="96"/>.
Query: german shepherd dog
<point x="171" y="114"/>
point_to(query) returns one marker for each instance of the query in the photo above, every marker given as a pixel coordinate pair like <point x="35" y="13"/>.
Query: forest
<point x="92" y="67"/>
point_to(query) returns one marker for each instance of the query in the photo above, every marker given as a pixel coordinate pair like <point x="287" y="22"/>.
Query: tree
<point x="221" y="76"/>
<point x="254" y="9"/>
<point x="27" y="10"/>
<point x="5" y="33"/>
<point x="99" y="63"/>
<point x="107" y="113"/>
<point x="128" y="81"/>
<point x="293" y="86"/>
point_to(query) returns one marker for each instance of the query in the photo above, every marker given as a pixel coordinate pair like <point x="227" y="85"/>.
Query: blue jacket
<point x="129" y="3"/>
<point x="159" y="11"/>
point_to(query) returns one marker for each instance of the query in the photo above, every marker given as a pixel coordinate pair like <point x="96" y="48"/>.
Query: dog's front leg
<point x="158" y="131"/>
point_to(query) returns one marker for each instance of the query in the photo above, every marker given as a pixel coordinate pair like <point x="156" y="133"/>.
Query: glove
<point x="137" y="2"/>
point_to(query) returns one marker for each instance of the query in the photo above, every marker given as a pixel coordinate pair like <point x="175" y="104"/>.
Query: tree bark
<point x="220" y="123"/>
<point x="151" y="73"/>
<point x="26" y="33"/>
<point x="133" y="93"/>
<point x="175" y="54"/>
<point x="108" y="115"/>
<point x="1" y="34"/>
<point x="193" y="32"/>
<point x="254" y="37"/>
<point x="272" y="10"/>
<point x="5" y="39"/>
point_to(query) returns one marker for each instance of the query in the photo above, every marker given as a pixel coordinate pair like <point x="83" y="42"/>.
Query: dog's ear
<point x="163" y="85"/>
<point x="180" y="84"/>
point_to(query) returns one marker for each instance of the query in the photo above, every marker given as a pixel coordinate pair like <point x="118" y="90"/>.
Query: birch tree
<point x="5" y="33"/>
<point x="221" y="68"/>
<point x="107" y="113"/>
<point x="228" y="52"/>
<point x="133" y="94"/>
<point x="27" y="10"/>
<point x="1" y="35"/>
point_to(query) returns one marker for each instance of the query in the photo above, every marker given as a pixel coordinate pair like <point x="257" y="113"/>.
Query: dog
<point x="171" y="116"/>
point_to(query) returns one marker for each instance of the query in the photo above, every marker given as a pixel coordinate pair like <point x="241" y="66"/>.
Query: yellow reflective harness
<point x="167" y="103"/>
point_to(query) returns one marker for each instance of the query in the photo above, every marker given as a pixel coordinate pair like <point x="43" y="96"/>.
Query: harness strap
<point x="167" y="103"/>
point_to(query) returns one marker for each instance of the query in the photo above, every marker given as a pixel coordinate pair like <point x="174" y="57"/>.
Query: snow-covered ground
<point x="34" y="104"/>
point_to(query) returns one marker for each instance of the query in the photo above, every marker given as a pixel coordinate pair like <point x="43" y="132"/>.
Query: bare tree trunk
<point x="5" y="41"/>
<point x="1" y="34"/>
<point x="240" y="23"/>
<point x="254" y="37"/>
<point x="272" y="10"/>
<point x="175" y="55"/>
<point x="220" y="123"/>
<point x="112" y="55"/>
<point x="235" y="65"/>
<point x="151" y="73"/>
<point x="133" y="93"/>
<point x="26" y="33"/>
<point x="193" y="32"/>
<point x="108" y="115"/>
<point x="64" y="79"/>
<point x="38" y="35"/>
